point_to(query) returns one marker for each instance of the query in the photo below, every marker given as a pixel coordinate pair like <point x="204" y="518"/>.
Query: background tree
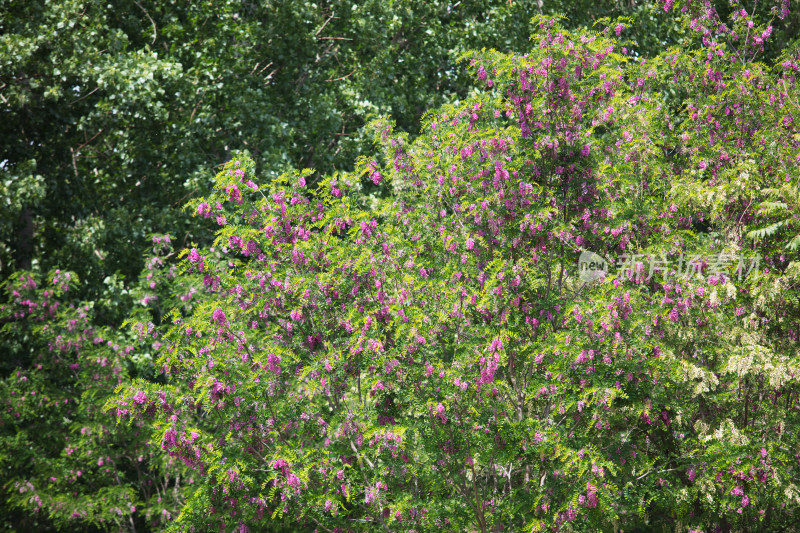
<point x="115" y="111"/>
<point x="65" y="464"/>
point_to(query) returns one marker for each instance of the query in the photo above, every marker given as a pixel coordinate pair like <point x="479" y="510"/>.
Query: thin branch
<point x="358" y="455"/>
<point x="268" y="76"/>
<point x="745" y="211"/>
<point x="342" y="78"/>
<point x="325" y="24"/>
<point x="74" y="160"/>
<point x="320" y="525"/>
<point x="191" y="117"/>
<point x="323" y="55"/>
<point x="90" y="140"/>
<point x="155" y="30"/>
<point x="659" y="472"/>
<point x="783" y="81"/>
<point x="84" y="96"/>
<point x="262" y="69"/>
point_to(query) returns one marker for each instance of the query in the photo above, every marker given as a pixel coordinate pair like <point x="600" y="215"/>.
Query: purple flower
<point x="219" y="317"/>
<point x="194" y="256"/>
<point x="169" y="439"/>
<point x="674" y="315"/>
<point x="272" y="363"/>
<point x="592" y="501"/>
<point x="292" y="480"/>
<point x="140" y="397"/>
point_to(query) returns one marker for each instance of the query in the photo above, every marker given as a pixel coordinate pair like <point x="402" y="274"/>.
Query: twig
<point x="262" y="69"/>
<point x="323" y="53"/>
<point x="342" y="78"/>
<point x="84" y="96"/>
<point x="358" y="455"/>
<point x="191" y="117"/>
<point x="745" y="211"/>
<point x="326" y="23"/>
<point x="155" y="30"/>
<point x="659" y="472"/>
<point x="783" y="81"/>
<point x="74" y="151"/>
<point x="74" y="162"/>
<point x="90" y="140"/>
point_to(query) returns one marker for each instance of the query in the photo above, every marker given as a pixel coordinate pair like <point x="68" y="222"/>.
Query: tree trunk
<point x="24" y="253"/>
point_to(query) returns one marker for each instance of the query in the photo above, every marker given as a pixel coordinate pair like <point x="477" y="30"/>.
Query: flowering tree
<point x="66" y="464"/>
<point x="434" y="360"/>
<point x="451" y="355"/>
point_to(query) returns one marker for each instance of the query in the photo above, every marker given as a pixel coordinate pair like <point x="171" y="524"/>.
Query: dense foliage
<point x="434" y="360"/>
<point x="114" y="113"/>
<point x="65" y="461"/>
<point x="409" y="343"/>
